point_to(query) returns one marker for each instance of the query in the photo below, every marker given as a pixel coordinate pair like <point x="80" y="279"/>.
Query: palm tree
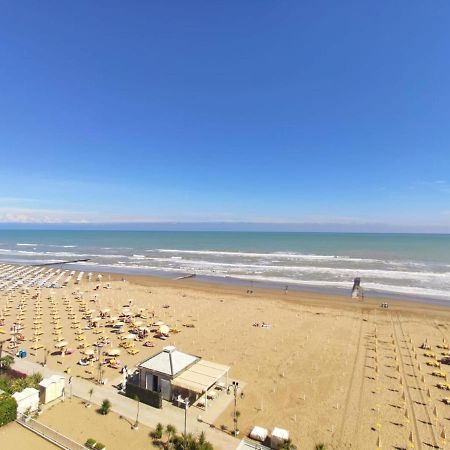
<point x="202" y="443"/>
<point x="171" y="432"/>
<point x="90" y="392"/>
<point x="136" y="424"/>
<point x="237" y="414"/>
<point x="157" y="433"/>
<point x="46" y="353"/>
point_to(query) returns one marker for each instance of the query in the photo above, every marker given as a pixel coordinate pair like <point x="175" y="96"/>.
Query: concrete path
<point x="127" y="407"/>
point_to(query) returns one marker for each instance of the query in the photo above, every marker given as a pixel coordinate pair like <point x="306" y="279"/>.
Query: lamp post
<point x="186" y="406"/>
<point x="234" y="387"/>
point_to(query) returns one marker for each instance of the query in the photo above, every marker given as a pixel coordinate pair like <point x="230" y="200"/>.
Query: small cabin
<point x="51" y="388"/>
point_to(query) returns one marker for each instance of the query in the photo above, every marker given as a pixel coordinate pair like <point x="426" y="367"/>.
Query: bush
<point x="99" y="446"/>
<point x="157" y="432"/>
<point x="6" y="362"/>
<point x="8" y="409"/>
<point x="106" y="406"/>
<point x="90" y="443"/>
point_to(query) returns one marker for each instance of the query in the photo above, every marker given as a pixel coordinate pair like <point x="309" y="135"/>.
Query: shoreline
<point x="249" y="283"/>
<point x="311" y="297"/>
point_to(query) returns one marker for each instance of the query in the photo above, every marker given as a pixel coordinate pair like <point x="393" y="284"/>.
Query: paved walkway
<point x="126" y="407"/>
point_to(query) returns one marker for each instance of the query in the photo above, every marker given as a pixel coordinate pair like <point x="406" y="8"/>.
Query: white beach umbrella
<point x="164" y="329"/>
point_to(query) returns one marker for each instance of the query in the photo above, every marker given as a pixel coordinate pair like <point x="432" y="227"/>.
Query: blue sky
<point x="258" y="111"/>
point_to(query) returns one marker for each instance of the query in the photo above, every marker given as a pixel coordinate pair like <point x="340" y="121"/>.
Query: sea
<point x="404" y="265"/>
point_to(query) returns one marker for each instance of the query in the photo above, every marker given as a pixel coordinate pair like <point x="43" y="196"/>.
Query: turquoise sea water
<point x="405" y="264"/>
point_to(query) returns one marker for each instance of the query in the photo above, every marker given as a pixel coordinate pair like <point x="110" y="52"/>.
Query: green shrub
<point x="99" y="446"/>
<point x="90" y="443"/>
<point x="105" y="408"/>
<point x="6" y="362"/>
<point x="157" y="432"/>
<point x="8" y="409"/>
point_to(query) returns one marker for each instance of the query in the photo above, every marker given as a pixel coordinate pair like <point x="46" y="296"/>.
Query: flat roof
<point x="27" y="392"/>
<point x="169" y="361"/>
<point x="200" y="376"/>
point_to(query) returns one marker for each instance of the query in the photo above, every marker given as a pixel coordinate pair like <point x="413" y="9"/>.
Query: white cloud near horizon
<point x="59" y="217"/>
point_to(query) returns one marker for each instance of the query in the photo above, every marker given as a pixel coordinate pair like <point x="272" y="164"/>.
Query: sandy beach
<point x="327" y="368"/>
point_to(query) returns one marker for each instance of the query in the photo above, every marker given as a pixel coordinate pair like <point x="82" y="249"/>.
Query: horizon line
<point x="229" y="226"/>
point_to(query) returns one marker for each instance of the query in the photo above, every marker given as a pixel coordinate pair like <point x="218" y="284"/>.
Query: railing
<point x="250" y="444"/>
<point x="50" y="435"/>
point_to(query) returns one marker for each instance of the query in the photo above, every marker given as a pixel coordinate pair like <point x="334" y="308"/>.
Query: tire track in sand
<point x="418" y="387"/>
<point x="340" y="430"/>
<point x="407" y="388"/>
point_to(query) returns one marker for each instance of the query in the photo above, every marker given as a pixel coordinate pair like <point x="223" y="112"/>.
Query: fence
<point x="50" y="435"/>
<point x="145" y="396"/>
<point x="247" y="444"/>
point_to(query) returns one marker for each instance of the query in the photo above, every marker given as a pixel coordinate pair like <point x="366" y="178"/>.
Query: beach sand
<point x="14" y="437"/>
<point x="328" y="368"/>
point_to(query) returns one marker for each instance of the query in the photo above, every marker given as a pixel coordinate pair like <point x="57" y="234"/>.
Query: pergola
<point x="201" y="377"/>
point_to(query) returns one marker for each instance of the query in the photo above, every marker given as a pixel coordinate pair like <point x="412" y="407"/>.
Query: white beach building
<point x="177" y="375"/>
<point x="278" y="437"/>
<point x="27" y="400"/>
<point x="51" y="388"/>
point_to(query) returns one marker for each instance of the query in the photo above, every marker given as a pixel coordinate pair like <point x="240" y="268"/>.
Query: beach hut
<point x="27" y="400"/>
<point x="278" y="438"/>
<point x="51" y="388"/>
<point x="259" y="434"/>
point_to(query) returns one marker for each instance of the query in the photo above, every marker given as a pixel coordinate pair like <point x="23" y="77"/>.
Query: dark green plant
<point x="157" y="432"/>
<point x="6" y="362"/>
<point x="288" y="445"/>
<point x="8" y="409"/>
<point x="174" y="441"/>
<point x="90" y="443"/>
<point x="105" y="407"/>
<point x="99" y="446"/>
<point x="320" y="447"/>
